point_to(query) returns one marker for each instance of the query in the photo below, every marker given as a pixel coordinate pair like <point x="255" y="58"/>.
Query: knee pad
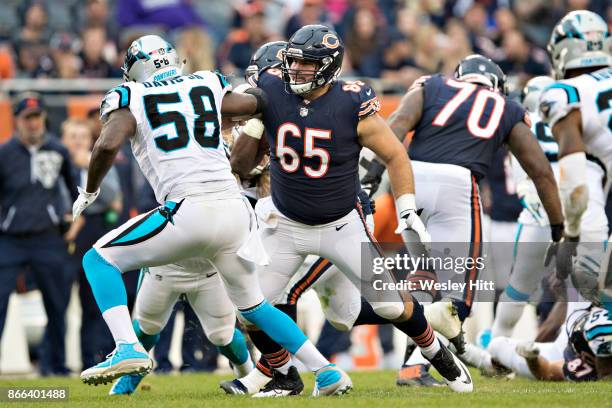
<point x="148" y="326"/>
<point x="388" y="310"/>
<point x="221" y="335"/>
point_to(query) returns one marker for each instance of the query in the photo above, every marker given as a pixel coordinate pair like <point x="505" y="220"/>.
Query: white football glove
<point x="409" y="219"/>
<point x="83" y="201"/>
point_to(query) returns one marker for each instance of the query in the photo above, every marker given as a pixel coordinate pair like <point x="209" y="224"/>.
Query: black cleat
<point x="282" y="385"/>
<point x="454" y="372"/>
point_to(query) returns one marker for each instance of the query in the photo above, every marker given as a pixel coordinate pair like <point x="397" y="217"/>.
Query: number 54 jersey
<point x="178" y="142"/>
<point x="592" y="94"/>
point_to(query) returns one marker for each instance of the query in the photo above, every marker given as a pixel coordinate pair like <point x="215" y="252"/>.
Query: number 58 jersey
<point x="178" y="143"/>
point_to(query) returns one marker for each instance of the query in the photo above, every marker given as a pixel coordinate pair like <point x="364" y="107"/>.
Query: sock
<point x="105" y="281"/>
<point x="277" y="357"/>
<point x="118" y="320"/>
<point x="416" y="356"/>
<point x="277" y="325"/>
<point x="255" y="380"/>
<point x="508" y="314"/>
<point x="419" y="330"/>
<point x="236" y="351"/>
<point x="311" y="357"/>
<point x="263" y="366"/>
<point x="148" y="341"/>
<point x="368" y="316"/>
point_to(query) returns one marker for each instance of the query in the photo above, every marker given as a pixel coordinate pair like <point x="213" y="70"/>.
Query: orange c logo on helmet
<point x="330" y="41"/>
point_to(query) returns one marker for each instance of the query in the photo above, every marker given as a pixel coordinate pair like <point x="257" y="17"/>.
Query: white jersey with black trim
<point x="592" y="94"/>
<point x="178" y="143"/>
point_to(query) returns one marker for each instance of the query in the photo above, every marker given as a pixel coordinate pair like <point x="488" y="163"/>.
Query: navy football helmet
<point x="313" y="43"/>
<point x="266" y="56"/>
<point x="481" y="70"/>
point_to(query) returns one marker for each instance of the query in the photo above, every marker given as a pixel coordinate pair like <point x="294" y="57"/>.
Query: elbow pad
<point x="574" y="191"/>
<point x="262" y="99"/>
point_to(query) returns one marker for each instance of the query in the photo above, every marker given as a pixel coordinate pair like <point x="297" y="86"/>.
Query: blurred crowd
<point x="393" y="39"/>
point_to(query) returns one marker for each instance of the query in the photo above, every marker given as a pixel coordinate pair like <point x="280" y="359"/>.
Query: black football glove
<point x="373" y="177"/>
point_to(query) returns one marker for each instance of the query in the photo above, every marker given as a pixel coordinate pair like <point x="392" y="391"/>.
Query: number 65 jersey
<point x="592" y="94"/>
<point x="178" y="142"/>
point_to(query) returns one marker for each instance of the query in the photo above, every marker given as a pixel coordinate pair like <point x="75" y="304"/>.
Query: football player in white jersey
<point x="577" y="108"/>
<point x="173" y="122"/>
<point x="527" y="270"/>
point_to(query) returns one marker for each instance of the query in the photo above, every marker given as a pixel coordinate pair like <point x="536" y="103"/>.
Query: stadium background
<point x="71" y="52"/>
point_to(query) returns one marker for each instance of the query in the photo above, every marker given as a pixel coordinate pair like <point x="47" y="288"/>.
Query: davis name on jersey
<point x="462" y="123"/>
<point x="314" y="148"/>
<point x="178" y="142"/>
<point x="590" y="93"/>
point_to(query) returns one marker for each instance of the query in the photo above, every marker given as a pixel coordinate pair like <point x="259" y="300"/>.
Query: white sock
<point x="506" y="317"/>
<point x="284" y="369"/>
<point x="254" y="381"/>
<point x="311" y="357"/>
<point x="119" y="322"/>
<point x="244" y="368"/>
<point x="431" y="350"/>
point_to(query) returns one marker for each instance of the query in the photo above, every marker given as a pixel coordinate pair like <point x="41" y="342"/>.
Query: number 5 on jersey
<point x="290" y="159"/>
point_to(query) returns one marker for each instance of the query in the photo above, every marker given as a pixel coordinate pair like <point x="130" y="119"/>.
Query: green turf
<point x="372" y="389"/>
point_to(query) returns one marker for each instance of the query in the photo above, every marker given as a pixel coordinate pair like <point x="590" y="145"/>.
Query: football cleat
<point x="443" y="318"/>
<point x="249" y="384"/>
<point x="528" y="350"/>
<point x="282" y="385"/>
<point x="331" y="380"/>
<point x="454" y="372"/>
<point x="416" y="375"/>
<point x="126" y="385"/>
<point x="125" y="359"/>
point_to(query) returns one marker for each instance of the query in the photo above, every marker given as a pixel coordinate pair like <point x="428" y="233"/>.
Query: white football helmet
<point x="533" y="89"/>
<point x="151" y="58"/>
<point x="580" y="40"/>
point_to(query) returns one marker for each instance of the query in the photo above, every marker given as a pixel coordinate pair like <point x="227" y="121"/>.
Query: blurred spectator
<point x="168" y="14"/>
<point x="34" y="26"/>
<point x="96" y="14"/>
<point x="32" y="166"/>
<point x="96" y="55"/>
<point x="364" y="40"/>
<point x="196" y="48"/>
<point x="66" y="63"/>
<point x="428" y="43"/>
<point x="398" y="64"/>
<point x="520" y="59"/>
<point x="313" y="12"/>
<point x="33" y="59"/>
<point x="457" y="46"/>
<point x="99" y="218"/>
<point x="235" y="53"/>
<point x="348" y="20"/>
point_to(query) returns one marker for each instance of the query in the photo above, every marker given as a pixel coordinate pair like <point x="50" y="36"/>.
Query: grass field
<point x="372" y="389"/>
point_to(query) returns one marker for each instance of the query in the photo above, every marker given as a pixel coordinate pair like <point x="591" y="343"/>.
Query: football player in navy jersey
<point x="316" y="127"/>
<point x="458" y="125"/>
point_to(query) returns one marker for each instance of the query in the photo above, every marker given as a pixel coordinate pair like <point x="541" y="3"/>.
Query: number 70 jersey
<point x="178" y="143"/>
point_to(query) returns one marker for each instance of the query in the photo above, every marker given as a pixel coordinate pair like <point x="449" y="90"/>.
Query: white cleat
<point x="331" y="380"/>
<point x="455" y="373"/>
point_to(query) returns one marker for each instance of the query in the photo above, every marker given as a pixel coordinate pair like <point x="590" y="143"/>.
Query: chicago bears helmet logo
<point x="330" y="41"/>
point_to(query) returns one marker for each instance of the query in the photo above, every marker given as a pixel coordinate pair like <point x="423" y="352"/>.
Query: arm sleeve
<point x="557" y="101"/>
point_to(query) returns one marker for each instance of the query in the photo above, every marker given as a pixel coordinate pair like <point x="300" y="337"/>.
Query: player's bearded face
<point x="302" y="71"/>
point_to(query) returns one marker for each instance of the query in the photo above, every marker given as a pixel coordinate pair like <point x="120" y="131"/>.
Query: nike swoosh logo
<point x="339" y="227"/>
<point x="208" y="275"/>
<point x="469" y="379"/>
<point x="369" y="92"/>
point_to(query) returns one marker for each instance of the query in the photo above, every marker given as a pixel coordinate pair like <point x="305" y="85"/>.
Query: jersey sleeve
<point x="557" y="101"/>
<point x="514" y="113"/>
<point x="598" y="333"/>
<point x="116" y="98"/>
<point x="364" y="97"/>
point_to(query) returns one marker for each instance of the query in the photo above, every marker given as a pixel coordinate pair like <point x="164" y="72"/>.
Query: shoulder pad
<point x="557" y="101"/>
<point x="419" y="82"/>
<point x="364" y="96"/>
<point x="116" y="98"/>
